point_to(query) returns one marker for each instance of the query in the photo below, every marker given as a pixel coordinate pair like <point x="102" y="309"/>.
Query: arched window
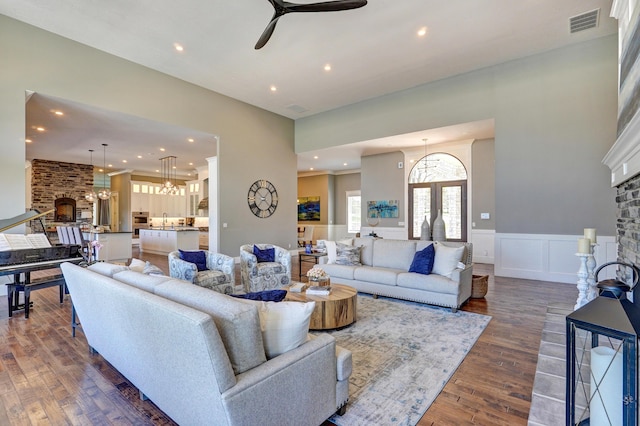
<point x="438" y="182"/>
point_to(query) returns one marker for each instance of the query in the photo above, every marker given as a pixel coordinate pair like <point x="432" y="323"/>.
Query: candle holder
<point x="583" y="285"/>
<point x="592" y="291"/>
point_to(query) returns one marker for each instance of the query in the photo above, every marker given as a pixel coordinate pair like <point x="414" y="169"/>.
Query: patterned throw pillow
<point x="151" y="269"/>
<point x="348" y="255"/>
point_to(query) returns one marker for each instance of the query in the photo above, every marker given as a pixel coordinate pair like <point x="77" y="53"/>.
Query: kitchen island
<point x="115" y="245"/>
<point x="166" y="240"/>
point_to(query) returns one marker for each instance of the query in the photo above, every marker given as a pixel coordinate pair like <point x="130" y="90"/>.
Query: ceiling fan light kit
<point x="283" y="7"/>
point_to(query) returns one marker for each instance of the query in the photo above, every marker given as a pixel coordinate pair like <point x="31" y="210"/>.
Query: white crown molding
<point x="624" y="156"/>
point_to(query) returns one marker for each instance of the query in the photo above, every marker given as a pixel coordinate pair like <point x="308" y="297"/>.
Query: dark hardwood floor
<point x="48" y="377"/>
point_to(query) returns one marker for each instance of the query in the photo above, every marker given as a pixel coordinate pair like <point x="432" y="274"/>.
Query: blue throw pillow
<point x="423" y="260"/>
<point x="197" y="257"/>
<point x="264" y="296"/>
<point x="264" y="255"/>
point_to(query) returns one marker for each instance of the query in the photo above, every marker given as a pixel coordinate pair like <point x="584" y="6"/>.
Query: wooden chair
<point x="307" y="236"/>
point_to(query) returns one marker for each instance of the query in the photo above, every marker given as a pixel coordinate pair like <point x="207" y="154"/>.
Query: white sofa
<point x="384" y="271"/>
<point x="199" y="355"/>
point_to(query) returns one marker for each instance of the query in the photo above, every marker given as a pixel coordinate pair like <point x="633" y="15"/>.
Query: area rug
<point x="403" y="355"/>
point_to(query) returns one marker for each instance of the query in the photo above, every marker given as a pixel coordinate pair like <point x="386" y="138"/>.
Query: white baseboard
<point x="546" y="257"/>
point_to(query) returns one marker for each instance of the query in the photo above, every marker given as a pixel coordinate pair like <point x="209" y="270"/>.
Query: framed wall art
<point x="308" y="209"/>
<point x="382" y="209"/>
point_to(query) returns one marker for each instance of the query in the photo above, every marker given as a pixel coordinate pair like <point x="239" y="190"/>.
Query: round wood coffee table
<point x="336" y="310"/>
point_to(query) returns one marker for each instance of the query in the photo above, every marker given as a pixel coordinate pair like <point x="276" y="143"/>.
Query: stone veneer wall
<point x="51" y="180"/>
<point x="628" y="223"/>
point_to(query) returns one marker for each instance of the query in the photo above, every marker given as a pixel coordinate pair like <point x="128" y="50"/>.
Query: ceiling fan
<point x="283" y="7"/>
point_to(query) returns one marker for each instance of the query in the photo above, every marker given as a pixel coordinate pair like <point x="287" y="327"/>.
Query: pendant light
<point x="104" y="193"/>
<point x="91" y="195"/>
<point x="168" y="175"/>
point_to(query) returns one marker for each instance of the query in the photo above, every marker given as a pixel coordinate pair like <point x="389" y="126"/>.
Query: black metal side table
<point x="310" y="258"/>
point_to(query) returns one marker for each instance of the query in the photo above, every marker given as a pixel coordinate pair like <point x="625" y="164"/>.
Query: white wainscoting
<point x="329" y="232"/>
<point x="483" y="241"/>
<point x="546" y="257"/>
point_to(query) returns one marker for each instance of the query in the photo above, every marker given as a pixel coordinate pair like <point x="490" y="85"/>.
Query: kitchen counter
<point x="164" y="241"/>
<point x="115" y="245"/>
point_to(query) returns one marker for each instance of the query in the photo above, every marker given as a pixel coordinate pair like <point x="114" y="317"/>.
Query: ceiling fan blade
<point x="266" y="34"/>
<point x="328" y="6"/>
<point x="282" y="7"/>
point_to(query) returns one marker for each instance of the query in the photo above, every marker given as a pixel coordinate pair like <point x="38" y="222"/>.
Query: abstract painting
<point x="382" y="209"/>
<point x="308" y="208"/>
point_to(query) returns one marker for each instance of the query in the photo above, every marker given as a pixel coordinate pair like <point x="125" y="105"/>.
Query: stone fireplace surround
<point x="52" y="180"/>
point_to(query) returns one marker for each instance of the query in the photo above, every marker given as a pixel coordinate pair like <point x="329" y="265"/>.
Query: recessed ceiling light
<point x="124" y="161"/>
<point x="310" y="168"/>
<point x="40" y="129"/>
<point x="273" y="88"/>
<point x="191" y="164"/>
<point x="315" y="157"/>
<point x="412" y="161"/>
<point x="58" y="113"/>
<point x="139" y="156"/>
<point x="344" y="164"/>
<point x="101" y="170"/>
<point x="190" y="139"/>
<point x="110" y="165"/>
<point x="28" y="140"/>
<point x="162" y="149"/>
<point x="422" y="32"/>
<point x="178" y="47"/>
<point x="327" y="67"/>
<point x="157" y="171"/>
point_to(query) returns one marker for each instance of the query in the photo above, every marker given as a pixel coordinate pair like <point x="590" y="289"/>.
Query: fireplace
<point x="65" y="209"/>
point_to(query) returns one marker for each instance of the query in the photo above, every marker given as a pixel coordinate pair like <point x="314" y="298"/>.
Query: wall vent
<point x="584" y="21"/>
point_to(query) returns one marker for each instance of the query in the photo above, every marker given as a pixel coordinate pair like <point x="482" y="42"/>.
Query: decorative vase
<point x="439" y="232"/>
<point x="425" y="230"/>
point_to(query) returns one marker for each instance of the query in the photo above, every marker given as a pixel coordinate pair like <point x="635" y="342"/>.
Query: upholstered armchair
<point x="218" y="276"/>
<point x="259" y="276"/>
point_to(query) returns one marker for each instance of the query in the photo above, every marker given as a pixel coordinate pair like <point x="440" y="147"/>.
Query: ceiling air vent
<point x="297" y="108"/>
<point x="584" y="21"/>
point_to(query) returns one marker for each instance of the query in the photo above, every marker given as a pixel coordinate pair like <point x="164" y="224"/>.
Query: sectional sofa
<point x="199" y="355"/>
<point x="382" y="268"/>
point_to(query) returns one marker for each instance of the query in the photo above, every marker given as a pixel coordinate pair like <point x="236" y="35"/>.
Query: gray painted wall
<point x="484" y="183"/>
<point x="383" y="180"/>
<point x="254" y="144"/>
<point x="344" y="183"/>
<point x="555" y="116"/>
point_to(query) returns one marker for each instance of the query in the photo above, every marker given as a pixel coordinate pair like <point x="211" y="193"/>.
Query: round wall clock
<point x="262" y="198"/>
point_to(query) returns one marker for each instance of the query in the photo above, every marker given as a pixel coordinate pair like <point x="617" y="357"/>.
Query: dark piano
<point x="20" y="262"/>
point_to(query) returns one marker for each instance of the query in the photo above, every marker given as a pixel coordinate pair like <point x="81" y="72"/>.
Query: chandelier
<point x="168" y="173"/>
<point x="91" y="195"/>
<point x="104" y="193"/>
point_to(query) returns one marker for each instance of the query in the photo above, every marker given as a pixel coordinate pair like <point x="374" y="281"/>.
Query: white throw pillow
<point x="284" y="325"/>
<point x="137" y="265"/>
<point x="331" y="251"/>
<point x="446" y="259"/>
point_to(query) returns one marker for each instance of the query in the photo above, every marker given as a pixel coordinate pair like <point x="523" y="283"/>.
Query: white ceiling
<point x="373" y="51"/>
